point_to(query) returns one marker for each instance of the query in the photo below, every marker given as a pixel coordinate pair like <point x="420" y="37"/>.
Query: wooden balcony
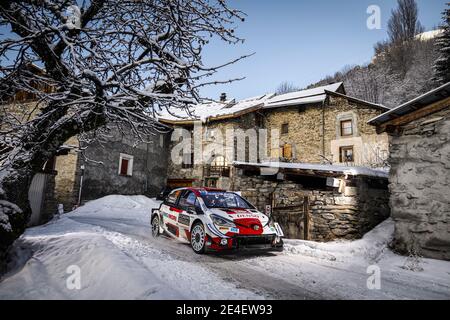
<point x="216" y="171"/>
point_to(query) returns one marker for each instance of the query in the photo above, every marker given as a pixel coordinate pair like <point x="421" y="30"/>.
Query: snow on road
<point x="109" y="241"/>
<point x="112" y="265"/>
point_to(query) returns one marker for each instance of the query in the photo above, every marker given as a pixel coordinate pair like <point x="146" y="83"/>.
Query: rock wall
<point x="325" y="213"/>
<point x="68" y="177"/>
<point x="420" y="186"/>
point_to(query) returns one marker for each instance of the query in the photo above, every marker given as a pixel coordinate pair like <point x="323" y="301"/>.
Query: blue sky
<point x="302" y="41"/>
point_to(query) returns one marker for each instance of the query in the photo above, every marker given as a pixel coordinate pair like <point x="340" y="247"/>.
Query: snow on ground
<point x="112" y="265"/>
<point x="339" y="270"/>
<point x="109" y="240"/>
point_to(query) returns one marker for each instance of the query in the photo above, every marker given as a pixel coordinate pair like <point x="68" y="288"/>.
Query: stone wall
<point x="68" y="176"/>
<point x="330" y="215"/>
<point x="420" y="186"/>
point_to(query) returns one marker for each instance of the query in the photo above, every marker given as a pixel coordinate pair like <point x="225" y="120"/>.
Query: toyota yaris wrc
<point x="214" y="220"/>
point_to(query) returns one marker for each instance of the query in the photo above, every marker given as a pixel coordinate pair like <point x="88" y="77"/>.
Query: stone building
<point x="420" y="173"/>
<point x="321" y="125"/>
<point x="317" y="126"/>
<point x="213" y="125"/>
<point x="324" y="125"/>
<point x="117" y="165"/>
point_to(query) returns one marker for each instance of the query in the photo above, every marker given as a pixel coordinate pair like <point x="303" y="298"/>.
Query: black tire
<point x="279" y="246"/>
<point x="155" y="225"/>
<point x="198" y="238"/>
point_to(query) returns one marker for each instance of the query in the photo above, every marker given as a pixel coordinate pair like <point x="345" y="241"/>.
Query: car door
<point x="170" y="211"/>
<point x="187" y="203"/>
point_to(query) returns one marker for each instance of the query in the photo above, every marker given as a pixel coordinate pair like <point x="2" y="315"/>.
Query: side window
<point x="187" y="200"/>
<point x="172" y="197"/>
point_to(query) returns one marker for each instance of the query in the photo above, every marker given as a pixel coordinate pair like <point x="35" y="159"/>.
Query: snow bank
<point x="118" y="206"/>
<point x="369" y="248"/>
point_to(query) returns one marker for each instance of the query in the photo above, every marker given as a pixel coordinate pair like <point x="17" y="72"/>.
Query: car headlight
<point x="219" y="221"/>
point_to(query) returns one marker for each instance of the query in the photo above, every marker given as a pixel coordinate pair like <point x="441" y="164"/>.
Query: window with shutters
<point x="287" y="151"/>
<point x="125" y="165"/>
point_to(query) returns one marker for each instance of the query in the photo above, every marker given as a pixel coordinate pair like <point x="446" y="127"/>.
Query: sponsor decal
<point x="245" y="216"/>
<point x="184" y="219"/>
<point x="171" y="216"/>
<point x="234" y="230"/>
<point x="226" y="229"/>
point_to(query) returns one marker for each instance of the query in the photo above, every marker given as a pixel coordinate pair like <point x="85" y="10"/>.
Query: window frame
<point x="186" y="206"/>
<point x="342" y="122"/>
<point x="177" y="199"/>
<point x="341" y="154"/>
<point x="185" y="165"/>
<point x="130" y="159"/>
<point x="285" y="128"/>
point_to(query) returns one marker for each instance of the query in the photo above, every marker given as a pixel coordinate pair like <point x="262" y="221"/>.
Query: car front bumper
<point x="265" y="242"/>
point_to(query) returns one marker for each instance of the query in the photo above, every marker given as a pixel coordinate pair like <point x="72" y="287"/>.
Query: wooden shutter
<point x="287" y="151"/>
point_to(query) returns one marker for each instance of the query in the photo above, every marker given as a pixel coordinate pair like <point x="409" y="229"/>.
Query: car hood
<point x="241" y="216"/>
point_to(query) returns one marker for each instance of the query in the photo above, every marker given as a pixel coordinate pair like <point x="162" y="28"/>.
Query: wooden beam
<point x="414" y="115"/>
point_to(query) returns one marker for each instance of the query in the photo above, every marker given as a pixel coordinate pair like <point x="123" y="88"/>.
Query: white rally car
<point x="215" y="220"/>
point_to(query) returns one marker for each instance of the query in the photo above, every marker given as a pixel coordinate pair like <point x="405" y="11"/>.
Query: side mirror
<point x="191" y="210"/>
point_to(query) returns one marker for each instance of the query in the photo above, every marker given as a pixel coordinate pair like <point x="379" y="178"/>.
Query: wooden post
<point x="306" y="218"/>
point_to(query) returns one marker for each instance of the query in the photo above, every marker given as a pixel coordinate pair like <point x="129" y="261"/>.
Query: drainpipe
<point x="323" y="128"/>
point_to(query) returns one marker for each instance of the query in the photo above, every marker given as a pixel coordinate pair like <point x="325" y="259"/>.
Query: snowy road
<point x="109" y="240"/>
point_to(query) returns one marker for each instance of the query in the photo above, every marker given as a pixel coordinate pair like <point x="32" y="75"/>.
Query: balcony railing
<point x="216" y="171"/>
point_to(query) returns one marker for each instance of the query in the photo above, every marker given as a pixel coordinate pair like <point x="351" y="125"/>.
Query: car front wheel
<point x="198" y="238"/>
<point x="155" y="226"/>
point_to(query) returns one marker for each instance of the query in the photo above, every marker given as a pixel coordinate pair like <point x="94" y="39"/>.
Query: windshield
<point x="226" y="200"/>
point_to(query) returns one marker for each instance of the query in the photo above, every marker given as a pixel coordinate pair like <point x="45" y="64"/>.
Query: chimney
<point x="223" y="97"/>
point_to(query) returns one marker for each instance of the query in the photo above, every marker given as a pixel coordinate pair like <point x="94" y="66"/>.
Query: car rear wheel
<point x="198" y="238"/>
<point x="155" y="226"/>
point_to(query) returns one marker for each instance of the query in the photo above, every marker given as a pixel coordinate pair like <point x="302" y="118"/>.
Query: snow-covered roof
<point x="346" y="170"/>
<point x="314" y="95"/>
<point x="215" y="109"/>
